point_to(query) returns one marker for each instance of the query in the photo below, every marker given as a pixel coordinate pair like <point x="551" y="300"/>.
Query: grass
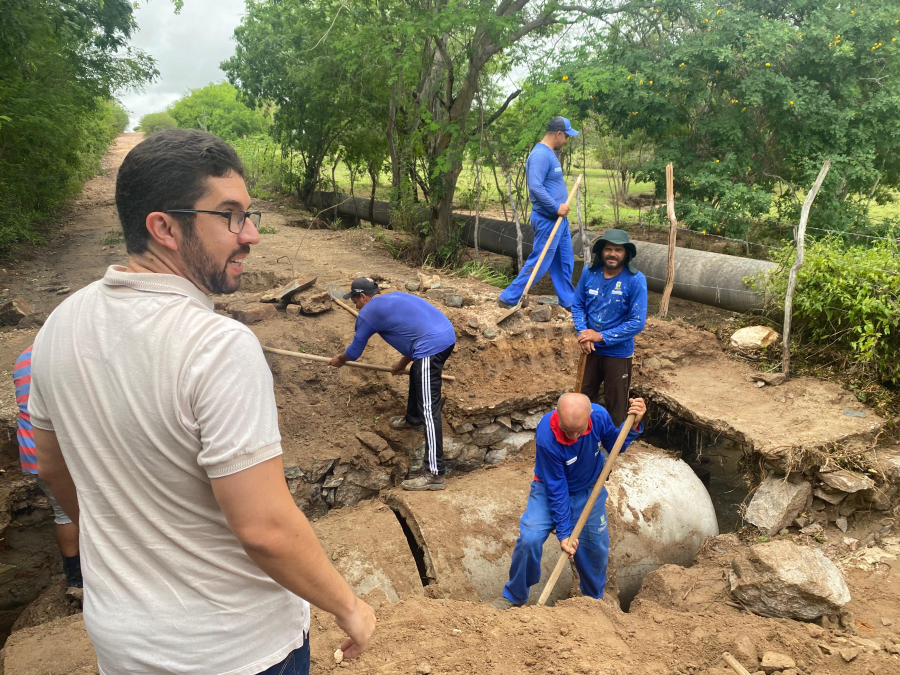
<point x="112" y="238"/>
<point x="267" y="230"/>
<point x="485" y="272"/>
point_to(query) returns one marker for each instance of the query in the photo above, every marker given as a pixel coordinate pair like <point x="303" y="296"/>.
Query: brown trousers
<point x="615" y="375"/>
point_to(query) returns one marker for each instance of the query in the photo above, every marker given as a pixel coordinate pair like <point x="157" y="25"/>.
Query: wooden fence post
<point x="512" y="205"/>
<point x="585" y="248"/>
<point x="795" y="268"/>
<point x="673" y="232"/>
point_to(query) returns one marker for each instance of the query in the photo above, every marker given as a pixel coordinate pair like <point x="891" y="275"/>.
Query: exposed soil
<point x="679" y="623"/>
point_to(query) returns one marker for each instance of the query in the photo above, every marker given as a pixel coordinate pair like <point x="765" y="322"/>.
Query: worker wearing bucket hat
<point x="548" y="192"/>
<point x="609" y="309"/>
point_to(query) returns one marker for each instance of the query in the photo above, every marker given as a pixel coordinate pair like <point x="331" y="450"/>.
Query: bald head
<point x="574" y="412"/>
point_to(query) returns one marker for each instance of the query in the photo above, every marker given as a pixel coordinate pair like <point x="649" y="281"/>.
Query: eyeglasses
<point x="236" y="219"/>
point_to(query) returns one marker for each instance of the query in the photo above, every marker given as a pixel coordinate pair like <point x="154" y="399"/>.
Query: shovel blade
<point x="335" y="291"/>
<point x="508" y="313"/>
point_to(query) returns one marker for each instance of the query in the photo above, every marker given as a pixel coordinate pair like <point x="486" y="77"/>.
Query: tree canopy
<point x="216" y="108"/>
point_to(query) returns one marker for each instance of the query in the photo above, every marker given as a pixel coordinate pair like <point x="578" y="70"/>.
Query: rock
<point x="453" y="448"/>
<point x="548" y="300"/>
<point x="453" y="300"/>
<point x="320" y="469"/>
<point x="781" y="579"/>
<point x="413" y="286"/>
<point x="517" y="416"/>
<point x="374" y="442"/>
<point x="754" y="337"/>
<point x="776" y="503"/>
<point x="814" y="630"/>
<point x="472" y="323"/>
<point x="332" y="482"/>
<point x="531" y="421"/>
<point x="850" y="412"/>
<point x="313" y="302"/>
<point x="504" y="420"/>
<point x="435" y="293"/>
<point x="841" y="522"/>
<point x="310" y="500"/>
<point x="772" y="661"/>
<point x="470" y="458"/>
<point x="490" y="332"/>
<point x="386" y="456"/>
<point x="463" y="427"/>
<point x="481" y="420"/>
<point x="515" y="443"/>
<point x="488" y="435"/>
<point x="540" y="314"/>
<point x="830" y="497"/>
<point x="292" y="311"/>
<point x="293" y="473"/>
<point x="846" y="481"/>
<point x="251" y="314"/>
<point x="888" y="463"/>
<point x="64" y="291"/>
<point x="886" y="622"/>
<point x="849" y="653"/>
<point x="745" y="651"/>
<point x="495" y="456"/>
<point x="427" y="281"/>
<point x="32" y="321"/>
<point x="358" y="484"/>
<point x="772" y="379"/>
<point x="14" y="311"/>
<point x="423" y="668"/>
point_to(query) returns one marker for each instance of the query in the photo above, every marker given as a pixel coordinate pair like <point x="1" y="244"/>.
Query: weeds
<point x="265" y="229"/>
<point x="483" y="271"/>
<point x="113" y="237"/>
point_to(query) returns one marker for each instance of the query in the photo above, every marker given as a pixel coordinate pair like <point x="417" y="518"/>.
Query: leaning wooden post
<point x="586" y="250"/>
<point x="477" y="208"/>
<point x="512" y="204"/>
<point x="673" y="232"/>
<point x="795" y="268"/>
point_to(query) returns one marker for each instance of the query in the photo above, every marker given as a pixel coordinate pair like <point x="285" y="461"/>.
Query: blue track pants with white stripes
<point x="424" y="405"/>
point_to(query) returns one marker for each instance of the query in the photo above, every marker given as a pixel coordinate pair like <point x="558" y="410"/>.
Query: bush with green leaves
<point x="151" y="123"/>
<point x="216" y="108"/>
<point x="847" y="300"/>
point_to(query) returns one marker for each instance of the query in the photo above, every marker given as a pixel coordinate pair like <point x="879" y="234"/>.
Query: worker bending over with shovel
<point x="424" y="337"/>
<point x="610" y="308"/>
<point x="567" y="464"/>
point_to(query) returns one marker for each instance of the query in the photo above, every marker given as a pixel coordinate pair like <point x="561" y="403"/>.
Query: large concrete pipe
<point x="700" y="276"/>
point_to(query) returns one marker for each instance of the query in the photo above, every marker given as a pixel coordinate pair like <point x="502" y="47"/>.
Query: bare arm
<point x="53" y="471"/>
<point x="277" y="537"/>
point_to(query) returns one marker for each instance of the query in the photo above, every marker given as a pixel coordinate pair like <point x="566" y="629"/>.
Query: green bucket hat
<point x="618" y="237"/>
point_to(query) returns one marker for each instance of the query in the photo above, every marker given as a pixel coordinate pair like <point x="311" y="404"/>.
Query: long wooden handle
<point x="735" y="666"/>
<point x="354" y="364"/>
<point x="345" y="306"/>
<point x="550" y="239"/>
<point x="582" y="519"/>
<point x="579" y="376"/>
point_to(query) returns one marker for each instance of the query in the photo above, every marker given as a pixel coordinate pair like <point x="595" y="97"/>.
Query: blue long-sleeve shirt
<point x="546" y="183"/>
<point x="411" y="325"/>
<point x="570" y="468"/>
<point x="616" y="308"/>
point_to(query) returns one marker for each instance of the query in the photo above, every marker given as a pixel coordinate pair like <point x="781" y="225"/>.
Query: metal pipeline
<point x="700" y="276"/>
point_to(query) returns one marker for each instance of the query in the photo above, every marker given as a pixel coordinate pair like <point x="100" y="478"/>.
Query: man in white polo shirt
<point x="195" y="557"/>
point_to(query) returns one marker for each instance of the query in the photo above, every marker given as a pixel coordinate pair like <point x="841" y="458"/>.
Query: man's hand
<point x="400" y="367"/>
<point x="563" y="210"/>
<point x="338" y="361"/>
<point x="586" y="347"/>
<point x="637" y="408"/>
<point x="359" y="625"/>
<point x="586" y="340"/>
<point x="569" y="545"/>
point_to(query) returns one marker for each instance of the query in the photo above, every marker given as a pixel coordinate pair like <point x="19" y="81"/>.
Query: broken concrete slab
<point x="776" y="503"/>
<point x="251" y="314"/>
<point x="846" y="481"/>
<point x="784" y="580"/>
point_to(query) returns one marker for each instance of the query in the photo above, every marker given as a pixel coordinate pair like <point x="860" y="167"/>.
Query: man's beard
<point x="613" y="263"/>
<point x="206" y="271"/>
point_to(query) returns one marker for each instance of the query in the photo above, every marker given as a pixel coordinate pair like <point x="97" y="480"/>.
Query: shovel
<point x="559" y="220"/>
<point x="337" y="294"/>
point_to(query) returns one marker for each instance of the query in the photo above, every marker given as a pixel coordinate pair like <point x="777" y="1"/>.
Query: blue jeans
<point x="296" y="663"/>
<point x="534" y="528"/>
<point x="560" y="260"/>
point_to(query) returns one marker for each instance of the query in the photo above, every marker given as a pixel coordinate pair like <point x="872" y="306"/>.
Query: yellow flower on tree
<point x="565" y="77"/>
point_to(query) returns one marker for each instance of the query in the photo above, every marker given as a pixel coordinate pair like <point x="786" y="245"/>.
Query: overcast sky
<point x="188" y="48"/>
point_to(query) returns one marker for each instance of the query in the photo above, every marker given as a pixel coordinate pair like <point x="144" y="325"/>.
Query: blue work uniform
<point x="564" y="476"/>
<point x="547" y="188"/>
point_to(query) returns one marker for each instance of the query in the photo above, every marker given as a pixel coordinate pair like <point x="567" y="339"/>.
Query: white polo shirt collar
<point x="116" y="275"/>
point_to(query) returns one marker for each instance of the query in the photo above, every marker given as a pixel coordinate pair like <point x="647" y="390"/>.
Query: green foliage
<point x="486" y="272"/>
<point x="747" y="99"/>
<point x="152" y="123"/>
<point x="216" y="108"/>
<point x="267" y="230"/>
<point x="61" y="62"/>
<point x="847" y="300"/>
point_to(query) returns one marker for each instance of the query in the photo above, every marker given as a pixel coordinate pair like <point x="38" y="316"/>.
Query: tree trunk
<point x="373" y="174"/>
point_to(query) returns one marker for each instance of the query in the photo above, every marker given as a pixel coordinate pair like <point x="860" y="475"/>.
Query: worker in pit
<point x="567" y="464"/>
<point x="609" y="309"/>
<point x="424" y="337"/>
<point x="547" y="189"/>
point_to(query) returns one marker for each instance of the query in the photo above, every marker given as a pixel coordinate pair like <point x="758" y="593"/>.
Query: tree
<point x="216" y="108"/>
<point x="151" y="123"/>
<point x="748" y="99"/>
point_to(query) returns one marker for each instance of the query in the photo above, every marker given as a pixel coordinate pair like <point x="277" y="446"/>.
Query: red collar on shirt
<point x="561" y="435"/>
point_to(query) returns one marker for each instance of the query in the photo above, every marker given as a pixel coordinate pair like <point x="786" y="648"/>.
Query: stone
<point x="313" y="302"/>
<point x="841" y="523"/>
<point x="517" y="416"/>
<point x="64" y="291"/>
<point x="540" y="314"/>
<point x="849" y="653"/>
<point x="515" y="443"/>
<point x="435" y="293"/>
<point x="374" y="442"/>
<point x="473" y="323"/>
<point x="470" y="458"/>
<point x="452" y="448"/>
<point x="548" y="300"/>
<point x="453" y="300"/>
<point x="423" y="668"/>
<point x="427" y="281"/>
<point x="310" y="500"/>
<point x="531" y="421"/>
<point x="830" y="497"/>
<point x="293" y="473"/>
<point x="14" y="311"/>
<point x="320" y="469"/>
<point x="481" y="420"/>
<point x="753" y="338"/>
<point x="332" y="482"/>
<point x="490" y="332"/>
<point x="776" y="503"/>
<point x="32" y="321"/>
<point x="772" y="661"/>
<point x="463" y="427"/>
<point x="386" y="456"/>
<point x="495" y="456"/>
<point x="251" y="314"/>
<point x="846" y="481"/>
<point x="782" y="579"/>
<point x="744" y="650"/>
<point x="488" y="435"/>
<point x="504" y="420"/>
<point x="772" y="379"/>
<point x="359" y="483"/>
<point x="413" y="286"/>
<point x="292" y="311"/>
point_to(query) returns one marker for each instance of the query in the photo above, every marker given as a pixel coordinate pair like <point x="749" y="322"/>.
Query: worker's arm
<point x="586" y="336"/>
<point x="636" y="318"/>
<point x="53" y="471"/>
<point x="277" y="537"/>
<point x="536" y="168"/>
<point x="610" y="432"/>
<point x="400" y="366"/>
<point x="364" y="330"/>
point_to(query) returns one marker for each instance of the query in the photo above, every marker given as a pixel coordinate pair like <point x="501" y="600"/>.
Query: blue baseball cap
<point x="561" y="124"/>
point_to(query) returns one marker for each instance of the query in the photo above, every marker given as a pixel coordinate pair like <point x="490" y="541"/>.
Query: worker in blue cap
<point x="547" y="189"/>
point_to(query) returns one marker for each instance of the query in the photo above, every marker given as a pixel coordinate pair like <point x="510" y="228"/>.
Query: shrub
<point x="153" y="122"/>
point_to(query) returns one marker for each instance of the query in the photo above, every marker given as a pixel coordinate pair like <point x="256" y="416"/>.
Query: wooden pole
<point x="579" y="376"/>
<point x="512" y="204"/>
<point x="585" y="248"/>
<point x="673" y="232"/>
<point x="735" y="666"/>
<point x="795" y="268"/>
<point x="354" y="364"/>
<point x="477" y="208"/>
<point x="582" y="519"/>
